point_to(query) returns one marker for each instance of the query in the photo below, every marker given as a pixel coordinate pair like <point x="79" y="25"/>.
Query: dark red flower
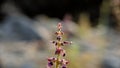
<point x="58" y="51"/>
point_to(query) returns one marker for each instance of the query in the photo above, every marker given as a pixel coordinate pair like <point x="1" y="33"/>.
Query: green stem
<point x="57" y="62"/>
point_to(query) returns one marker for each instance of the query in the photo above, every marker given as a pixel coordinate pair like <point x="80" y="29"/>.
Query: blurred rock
<point x="22" y="55"/>
<point x="17" y="26"/>
<point x="111" y="58"/>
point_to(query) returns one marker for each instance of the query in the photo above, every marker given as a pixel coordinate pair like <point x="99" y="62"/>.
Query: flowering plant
<point x="56" y="61"/>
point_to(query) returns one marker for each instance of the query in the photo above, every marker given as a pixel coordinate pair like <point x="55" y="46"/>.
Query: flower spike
<point x="59" y="50"/>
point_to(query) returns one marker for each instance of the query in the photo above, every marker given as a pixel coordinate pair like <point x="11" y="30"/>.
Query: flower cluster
<point x="56" y="61"/>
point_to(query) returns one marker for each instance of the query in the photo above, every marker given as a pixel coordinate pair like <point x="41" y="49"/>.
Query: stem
<point x="58" y="56"/>
<point x="57" y="62"/>
<point x="58" y="45"/>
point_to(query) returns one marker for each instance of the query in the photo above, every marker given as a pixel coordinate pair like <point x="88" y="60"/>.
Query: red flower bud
<point x="50" y="64"/>
<point x="64" y="66"/>
<point x="49" y="59"/>
<point x="67" y="43"/>
<point x="59" y="26"/>
<point x="64" y="62"/>
<point x="54" y="42"/>
<point x="56" y="33"/>
<point x="63" y="53"/>
<point x="62" y="44"/>
<point x="58" y="51"/>
<point x="67" y="62"/>
<point x="59" y="38"/>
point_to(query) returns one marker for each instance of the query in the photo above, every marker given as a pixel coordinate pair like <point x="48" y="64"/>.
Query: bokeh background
<point x="28" y="26"/>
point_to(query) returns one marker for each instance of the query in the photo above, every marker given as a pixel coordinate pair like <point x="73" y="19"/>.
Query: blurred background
<point x="28" y="26"/>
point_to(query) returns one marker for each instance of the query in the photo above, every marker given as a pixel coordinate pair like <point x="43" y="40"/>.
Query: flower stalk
<point x="59" y="63"/>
